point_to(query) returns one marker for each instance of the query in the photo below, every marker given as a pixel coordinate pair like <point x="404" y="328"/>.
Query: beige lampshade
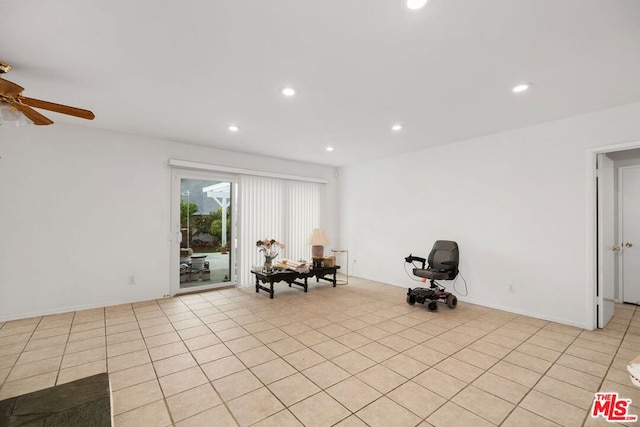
<point x="317" y="238"/>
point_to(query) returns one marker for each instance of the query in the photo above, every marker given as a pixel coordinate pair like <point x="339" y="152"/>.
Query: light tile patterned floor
<point x="353" y="355"/>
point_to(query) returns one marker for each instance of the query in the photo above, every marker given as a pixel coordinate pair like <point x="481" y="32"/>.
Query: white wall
<point x="515" y="202"/>
<point x="81" y="210"/>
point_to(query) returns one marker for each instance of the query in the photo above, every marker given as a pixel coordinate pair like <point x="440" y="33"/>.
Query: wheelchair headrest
<point x="444" y="255"/>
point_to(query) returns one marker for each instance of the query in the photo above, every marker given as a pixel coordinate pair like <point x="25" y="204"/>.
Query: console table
<point x="293" y="277"/>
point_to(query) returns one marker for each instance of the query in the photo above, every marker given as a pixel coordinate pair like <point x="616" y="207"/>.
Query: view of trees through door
<point x="205" y="225"/>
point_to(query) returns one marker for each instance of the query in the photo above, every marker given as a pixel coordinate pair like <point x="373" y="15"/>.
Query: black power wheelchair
<point x="442" y="264"/>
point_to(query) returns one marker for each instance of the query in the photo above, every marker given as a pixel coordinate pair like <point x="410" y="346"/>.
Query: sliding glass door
<point x="210" y="249"/>
<point x="203" y="221"/>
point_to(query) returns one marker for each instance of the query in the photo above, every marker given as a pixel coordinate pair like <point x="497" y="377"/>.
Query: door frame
<point x="592" y="226"/>
<point x="619" y="235"/>
<point x="177" y="174"/>
<point x="605" y="203"/>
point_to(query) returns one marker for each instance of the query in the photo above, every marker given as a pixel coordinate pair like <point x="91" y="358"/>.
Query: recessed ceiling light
<point x="521" y="87"/>
<point x="329" y="148"/>
<point x="288" y="91"/>
<point x="416" y="4"/>
<point x="233" y="128"/>
<point x="396" y="128"/>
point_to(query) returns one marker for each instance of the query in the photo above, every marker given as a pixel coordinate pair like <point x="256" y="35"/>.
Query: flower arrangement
<point x="269" y="247"/>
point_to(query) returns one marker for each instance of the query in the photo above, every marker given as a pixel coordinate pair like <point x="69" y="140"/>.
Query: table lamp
<point x="317" y="239"/>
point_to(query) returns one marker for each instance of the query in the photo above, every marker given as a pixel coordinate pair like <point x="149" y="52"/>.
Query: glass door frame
<point x="177" y="175"/>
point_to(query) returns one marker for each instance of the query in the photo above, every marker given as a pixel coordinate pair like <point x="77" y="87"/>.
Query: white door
<point x="629" y="191"/>
<point x="606" y="240"/>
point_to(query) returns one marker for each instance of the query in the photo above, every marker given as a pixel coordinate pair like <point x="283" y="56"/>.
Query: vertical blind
<point x="302" y="216"/>
<point x="275" y="209"/>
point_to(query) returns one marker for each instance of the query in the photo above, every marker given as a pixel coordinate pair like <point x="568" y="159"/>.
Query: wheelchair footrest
<point x="423" y="294"/>
<point x="430" y="297"/>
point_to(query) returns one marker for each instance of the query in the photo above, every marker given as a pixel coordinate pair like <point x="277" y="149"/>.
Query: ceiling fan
<point x="11" y="95"/>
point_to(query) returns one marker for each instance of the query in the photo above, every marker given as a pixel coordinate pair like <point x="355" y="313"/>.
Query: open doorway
<point x="617" y="199"/>
<point x="627" y="193"/>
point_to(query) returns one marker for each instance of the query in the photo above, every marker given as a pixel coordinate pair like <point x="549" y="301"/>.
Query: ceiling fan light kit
<point x="5" y="68"/>
<point x="12" y="100"/>
<point x="10" y="114"/>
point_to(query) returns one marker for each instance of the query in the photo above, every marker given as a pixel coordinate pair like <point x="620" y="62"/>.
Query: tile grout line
<point x="200" y="366"/>
<point x="64" y="350"/>
<point x="447" y="400"/>
<point x="223" y="402"/>
<point x="548" y="369"/>
<point x="635" y="309"/>
<point x="2" y="384"/>
<point x="381" y="364"/>
<point x="500" y="359"/>
<point x="350" y="349"/>
<point x="517" y="405"/>
<point x="137" y="320"/>
<point x="153" y="366"/>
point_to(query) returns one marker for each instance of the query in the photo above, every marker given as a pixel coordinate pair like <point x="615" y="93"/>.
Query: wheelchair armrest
<point x="412" y="258"/>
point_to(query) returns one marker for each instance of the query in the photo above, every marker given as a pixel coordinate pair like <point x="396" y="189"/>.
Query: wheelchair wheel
<point x="411" y="299"/>
<point x="433" y="306"/>
<point x="452" y="301"/>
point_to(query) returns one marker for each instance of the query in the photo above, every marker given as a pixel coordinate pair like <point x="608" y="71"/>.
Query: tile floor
<point x="353" y="355"/>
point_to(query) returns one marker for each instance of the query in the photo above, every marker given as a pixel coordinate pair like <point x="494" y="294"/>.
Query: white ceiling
<point x="184" y="70"/>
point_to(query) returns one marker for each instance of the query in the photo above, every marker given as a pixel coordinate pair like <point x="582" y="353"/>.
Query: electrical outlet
<point x="132" y="279"/>
<point x="512" y="289"/>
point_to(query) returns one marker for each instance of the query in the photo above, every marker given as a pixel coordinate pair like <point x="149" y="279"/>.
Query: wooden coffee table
<point x="294" y="278"/>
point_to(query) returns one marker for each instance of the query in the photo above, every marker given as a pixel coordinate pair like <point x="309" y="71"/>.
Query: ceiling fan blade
<point x="10" y="89"/>
<point x="58" y="108"/>
<point x="31" y="114"/>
